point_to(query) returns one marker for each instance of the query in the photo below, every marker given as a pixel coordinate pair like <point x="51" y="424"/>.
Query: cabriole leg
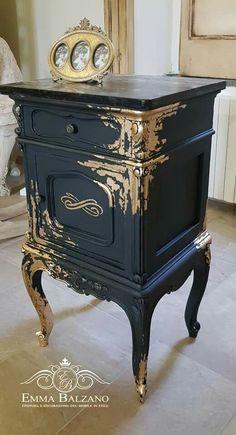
<point x="140" y="321"/>
<point x="32" y="269"/>
<point x="201" y="272"/>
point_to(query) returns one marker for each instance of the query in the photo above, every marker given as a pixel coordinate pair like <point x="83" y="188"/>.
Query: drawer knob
<point x="70" y="128"/>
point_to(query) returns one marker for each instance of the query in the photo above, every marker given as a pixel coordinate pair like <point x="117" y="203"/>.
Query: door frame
<point x="119" y="26"/>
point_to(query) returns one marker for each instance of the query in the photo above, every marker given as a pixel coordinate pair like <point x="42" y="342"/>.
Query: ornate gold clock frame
<point x="83" y="54"/>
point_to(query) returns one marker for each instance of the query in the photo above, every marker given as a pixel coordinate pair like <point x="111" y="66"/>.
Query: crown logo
<point x="65" y="363"/>
<point x="65" y="377"/>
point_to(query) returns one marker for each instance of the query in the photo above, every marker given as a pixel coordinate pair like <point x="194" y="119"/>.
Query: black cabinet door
<point x="78" y="208"/>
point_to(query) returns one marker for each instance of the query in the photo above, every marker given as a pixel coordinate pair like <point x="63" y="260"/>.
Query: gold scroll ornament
<point x="89" y="206"/>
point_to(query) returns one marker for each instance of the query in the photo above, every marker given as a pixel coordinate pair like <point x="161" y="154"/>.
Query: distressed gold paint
<point x="71" y="243"/>
<point x="116" y="182"/>
<point x="123" y="178"/>
<point x="46" y="221"/>
<point x="146" y="186"/>
<point x="35" y="261"/>
<point x="33" y="200"/>
<point x="141" y="378"/>
<point x="103" y="108"/>
<point x="45" y="254"/>
<point x="29" y="267"/>
<point x="60" y="226"/>
<point x="46" y="217"/>
<point x="146" y="141"/>
<point x="115" y="145"/>
<point x="208" y="254"/>
<point x="42" y="232"/>
<point x="147" y="114"/>
<point x="108" y="120"/>
<point x="57" y="234"/>
<point x="34" y="222"/>
<point x="141" y="128"/>
<point x="139" y="115"/>
<point x="118" y="179"/>
<point x="203" y="241"/>
<point x="107" y="191"/>
<point x="114" y="166"/>
<point x="101" y="157"/>
<point x="113" y="175"/>
<point x="135" y="191"/>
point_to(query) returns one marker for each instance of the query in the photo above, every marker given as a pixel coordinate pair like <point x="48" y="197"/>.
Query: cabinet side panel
<point x="177" y="202"/>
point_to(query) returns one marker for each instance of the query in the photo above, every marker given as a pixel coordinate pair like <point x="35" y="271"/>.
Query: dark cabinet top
<point x="131" y="92"/>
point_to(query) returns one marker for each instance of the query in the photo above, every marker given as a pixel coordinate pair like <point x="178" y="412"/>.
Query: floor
<point x="191" y="384"/>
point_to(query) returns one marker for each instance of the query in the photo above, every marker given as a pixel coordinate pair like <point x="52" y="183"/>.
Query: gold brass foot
<point x="43" y="339"/>
<point x="141" y="379"/>
<point x="141" y="389"/>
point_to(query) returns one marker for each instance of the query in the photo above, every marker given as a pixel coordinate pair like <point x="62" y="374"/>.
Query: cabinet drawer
<point x="80" y="129"/>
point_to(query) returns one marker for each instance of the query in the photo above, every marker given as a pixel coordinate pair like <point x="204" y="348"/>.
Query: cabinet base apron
<point x="138" y="305"/>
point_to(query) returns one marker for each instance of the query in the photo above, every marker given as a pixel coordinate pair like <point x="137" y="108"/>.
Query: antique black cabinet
<point x="117" y="179"/>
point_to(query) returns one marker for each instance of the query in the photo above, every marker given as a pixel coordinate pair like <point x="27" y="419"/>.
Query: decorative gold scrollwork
<point x="203" y="241"/>
<point x="89" y="206"/>
<point x="18" y="112"/>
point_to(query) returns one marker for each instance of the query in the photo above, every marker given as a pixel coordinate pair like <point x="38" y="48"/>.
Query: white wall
<point x="41" y="22"/>
<point x="175" y="37"/>
<point x="38" y="23"/>
<point x="156" y="36"/>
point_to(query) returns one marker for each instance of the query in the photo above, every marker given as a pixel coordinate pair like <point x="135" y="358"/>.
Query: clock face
<point x="61" y="55"/>
<point x="101" y="55"/>
<point x="80" y="55"/>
